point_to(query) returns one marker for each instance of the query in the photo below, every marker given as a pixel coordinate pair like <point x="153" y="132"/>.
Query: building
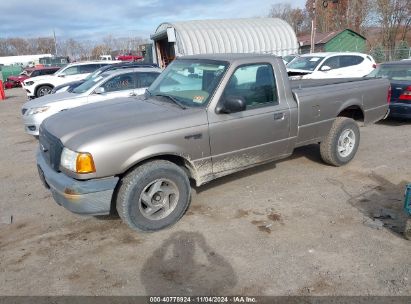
<point x="337" y="41"/>
<point x="255" y="35"/>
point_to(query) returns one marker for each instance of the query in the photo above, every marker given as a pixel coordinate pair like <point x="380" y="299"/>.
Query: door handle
<point x="279" y="116"/>
<point x="132" y="94"/>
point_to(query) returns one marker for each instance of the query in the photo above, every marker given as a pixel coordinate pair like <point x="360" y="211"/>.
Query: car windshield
<point x="88" y="84"/>
<point x="307" y="63"/>
<point x="392" y="72"/>
<point x="190" y="82"/>
<point x="289" y="58"/>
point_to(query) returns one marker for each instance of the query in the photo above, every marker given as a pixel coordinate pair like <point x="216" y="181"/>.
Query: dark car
<point x="399" y="74"/>
<point x="70" y="86"/>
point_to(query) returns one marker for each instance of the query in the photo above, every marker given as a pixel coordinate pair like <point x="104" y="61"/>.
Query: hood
<point x="50" y="98"/>
<point x="44" y="78"/>
<point x="119" y="120"/>
<point x="18" y="78"/>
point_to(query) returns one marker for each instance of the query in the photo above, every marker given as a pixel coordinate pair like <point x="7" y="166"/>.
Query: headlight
<point x="33" y="111"/>
<point x="28" y="83"/>
<point x="78" y="162"/>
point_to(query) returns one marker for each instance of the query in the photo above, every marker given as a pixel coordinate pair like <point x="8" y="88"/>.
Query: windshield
<point x="392" y="72"/>
<point x="289" y="58"/>
<point x="88" y="84"/>
<point x="190" y="82"/>
<point x="94" y="74"/>
<point x="307" y="63"/>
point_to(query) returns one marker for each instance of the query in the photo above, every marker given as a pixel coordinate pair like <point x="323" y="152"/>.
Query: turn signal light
<point x="85" y="163"/>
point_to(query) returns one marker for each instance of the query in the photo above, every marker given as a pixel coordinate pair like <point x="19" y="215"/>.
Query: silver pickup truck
<point x="204" y="117"/>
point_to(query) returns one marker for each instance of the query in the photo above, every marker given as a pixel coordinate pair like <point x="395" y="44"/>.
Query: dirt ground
<point x="294" y="227"/>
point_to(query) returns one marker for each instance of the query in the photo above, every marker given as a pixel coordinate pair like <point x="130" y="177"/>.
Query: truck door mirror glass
<point x="325" y="68"/>
<point x="99" y="90"/>
<point x="231" y="104"/>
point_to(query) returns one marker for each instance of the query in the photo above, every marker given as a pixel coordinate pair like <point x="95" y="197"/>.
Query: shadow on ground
<point x="186" y="264"/>
<point x="382" y="203"/>
<point x="394" y="122"/>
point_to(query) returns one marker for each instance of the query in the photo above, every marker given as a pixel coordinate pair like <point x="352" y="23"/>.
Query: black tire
<point x="141" y="182"/>
<point x="329" y="146"/>
<point x="43" y="90"/>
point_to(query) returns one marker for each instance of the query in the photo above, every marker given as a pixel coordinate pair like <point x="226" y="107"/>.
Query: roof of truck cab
<point x="228" y="56"/>
<point x="326" y="54"/>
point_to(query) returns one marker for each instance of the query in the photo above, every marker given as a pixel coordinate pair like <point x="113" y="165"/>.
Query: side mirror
<point x="231" y="104"/>
<point x="325" y="68"/>
<point x="99" y="90"/>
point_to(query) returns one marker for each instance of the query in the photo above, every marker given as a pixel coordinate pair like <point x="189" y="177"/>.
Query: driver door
<point x="257" y="134"/>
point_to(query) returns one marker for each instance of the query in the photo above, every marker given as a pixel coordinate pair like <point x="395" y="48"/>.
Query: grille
<point x="51" y="148"/>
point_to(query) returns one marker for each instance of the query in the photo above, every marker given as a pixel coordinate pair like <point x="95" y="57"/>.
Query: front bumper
<point x="89" y="197"/>
<point x="400" y="110"/>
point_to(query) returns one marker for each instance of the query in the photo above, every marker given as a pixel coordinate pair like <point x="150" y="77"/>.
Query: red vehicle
<point x="129" y="57"/>
<point x="15" y="81"/>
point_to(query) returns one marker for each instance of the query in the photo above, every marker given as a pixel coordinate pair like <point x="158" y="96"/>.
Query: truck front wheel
<point x="153" y="196"/>
<point x="340" y="145"/>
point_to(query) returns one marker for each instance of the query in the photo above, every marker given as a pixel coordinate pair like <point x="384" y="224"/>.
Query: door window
<point x="119" y="83"/>
<point x="88" y="68"/>
<point x="145" y="79"/>
<point x="255" y="83"/>
<point x="333" y="62"/>
<point x="347" y="61"/>
<point x="73" y="70"/>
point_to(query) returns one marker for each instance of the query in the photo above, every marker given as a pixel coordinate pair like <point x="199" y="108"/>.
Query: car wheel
<point x="43" y="90"/>
<point x="341" y="144"/>
<point x="153" y="196"/>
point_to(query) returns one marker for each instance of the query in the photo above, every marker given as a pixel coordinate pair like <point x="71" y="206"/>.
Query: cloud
<point x="93" y="19"/>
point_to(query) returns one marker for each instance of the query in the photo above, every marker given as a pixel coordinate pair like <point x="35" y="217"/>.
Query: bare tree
<point x="296" y="17"/>
<point x="393" y="16"/>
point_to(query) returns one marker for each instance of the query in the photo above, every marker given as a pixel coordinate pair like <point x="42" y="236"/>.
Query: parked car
<point x="122" y="65"/>
<point x="129" y="57"/>
<point x="42" y="85"/>
<point x="288" y="58"/>
<point x="108" y="85"/>
<point x="331" y="65"/>
<point x="399" y="75"/>
<point x="16" y="81"/>
<point x="204" y="117"/>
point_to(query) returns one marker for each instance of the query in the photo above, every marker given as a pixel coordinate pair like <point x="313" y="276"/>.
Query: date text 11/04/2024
<point x="238" y="299"/>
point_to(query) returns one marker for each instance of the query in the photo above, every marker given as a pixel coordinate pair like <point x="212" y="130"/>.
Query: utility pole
<point x="313" y="27"/>
<point x="55" y="43"/>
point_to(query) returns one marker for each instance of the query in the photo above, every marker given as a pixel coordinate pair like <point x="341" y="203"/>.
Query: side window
<point x="70" y="71"/>
<point x="88" y="68"/>
<point x="347" y="61"/>
<point x="255" y="83"/>
<point x="119" y="83"/>
<point x="35" y="73"/>
<point x="145" y="79"/>
<point x="333" y="62"/>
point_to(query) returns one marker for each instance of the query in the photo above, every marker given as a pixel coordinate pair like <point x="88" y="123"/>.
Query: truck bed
<point x="321" y="100"/>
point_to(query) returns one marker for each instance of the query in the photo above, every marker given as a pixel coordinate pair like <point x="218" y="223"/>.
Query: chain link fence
<point x="384" y="55"/>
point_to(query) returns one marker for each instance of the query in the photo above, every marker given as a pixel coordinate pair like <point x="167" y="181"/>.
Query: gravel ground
<point x="294" y="227"/>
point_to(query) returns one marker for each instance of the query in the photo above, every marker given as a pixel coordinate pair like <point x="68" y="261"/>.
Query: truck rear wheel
<point x="340" y="145"/>
<point x="153" y="196"/>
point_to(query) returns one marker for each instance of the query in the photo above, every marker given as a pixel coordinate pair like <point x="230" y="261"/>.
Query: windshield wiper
<point x="173" y="99"/>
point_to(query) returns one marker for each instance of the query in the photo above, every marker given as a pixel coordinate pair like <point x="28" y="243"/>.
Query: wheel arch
<point x="353" y="111"/>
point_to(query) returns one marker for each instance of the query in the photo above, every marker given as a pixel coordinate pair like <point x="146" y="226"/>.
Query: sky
<point x="94" y="19"/>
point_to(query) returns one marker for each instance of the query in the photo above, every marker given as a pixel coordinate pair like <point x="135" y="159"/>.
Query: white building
<point x="254" y="35"/>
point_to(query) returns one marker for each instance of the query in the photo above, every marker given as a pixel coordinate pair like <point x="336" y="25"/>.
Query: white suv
<point x="330" y="65"/>
<point x="42" y="85"/>
<point x="108" y="85"/>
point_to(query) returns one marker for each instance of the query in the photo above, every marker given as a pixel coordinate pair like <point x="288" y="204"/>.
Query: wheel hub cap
<point x="346" y="143"/>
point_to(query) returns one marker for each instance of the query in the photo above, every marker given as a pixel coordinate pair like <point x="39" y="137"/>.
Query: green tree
<point x="378" y="53"/>
<point x="402" y="50"/>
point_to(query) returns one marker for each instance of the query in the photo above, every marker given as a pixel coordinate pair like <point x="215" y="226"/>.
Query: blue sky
<point x="93" y="19"/>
